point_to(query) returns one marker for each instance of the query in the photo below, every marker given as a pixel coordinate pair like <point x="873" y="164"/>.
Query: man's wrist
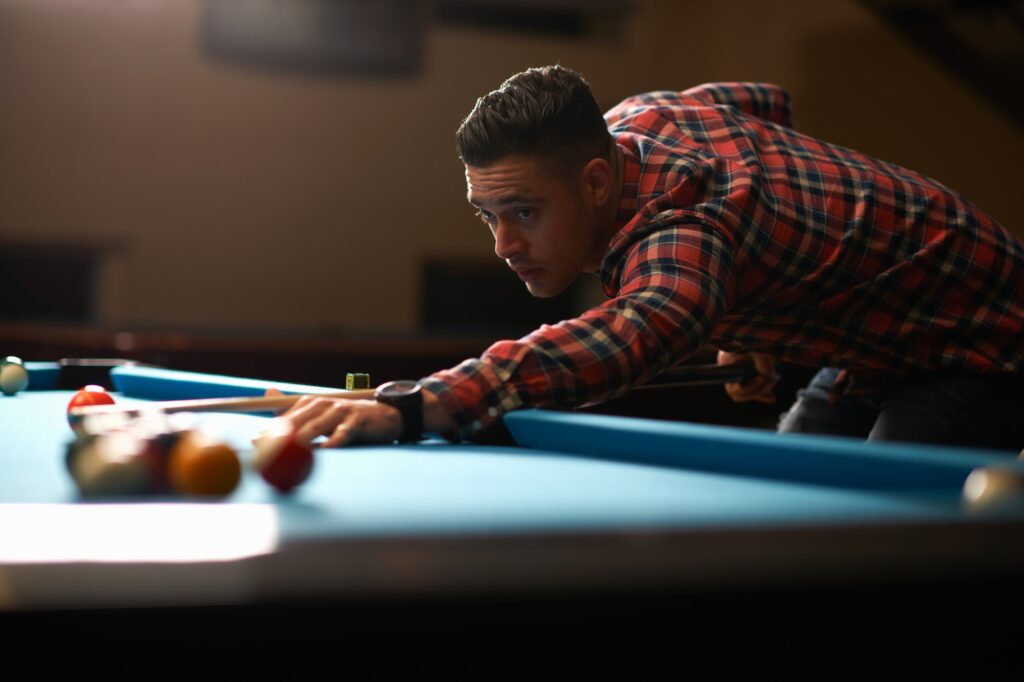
<point x="407" y="398"/>
<point x="436" y="417"/>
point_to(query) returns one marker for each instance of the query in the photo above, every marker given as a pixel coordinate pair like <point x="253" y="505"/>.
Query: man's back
<point x="833" y="257"/>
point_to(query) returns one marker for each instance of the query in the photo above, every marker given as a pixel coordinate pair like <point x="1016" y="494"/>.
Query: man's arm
<point x="674" y="287"/>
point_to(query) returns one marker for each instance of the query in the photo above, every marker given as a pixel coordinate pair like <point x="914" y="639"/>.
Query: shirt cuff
<point x="475" y="396"/>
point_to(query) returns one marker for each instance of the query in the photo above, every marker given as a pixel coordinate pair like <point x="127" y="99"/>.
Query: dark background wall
<point x="280" y="170"/>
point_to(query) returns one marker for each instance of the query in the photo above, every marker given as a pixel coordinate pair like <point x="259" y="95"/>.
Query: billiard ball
<point x="281" y="459"/>
<point x="156" y="451"/>
<point x="13" y="375"/>
<point x="200" y="465"/>
<point x="160" y="432"/>
<point x="111" y="464"/>
<point x="74" y="449"/>
<point x="85" y="397"/>
<point x="988" y="487"/>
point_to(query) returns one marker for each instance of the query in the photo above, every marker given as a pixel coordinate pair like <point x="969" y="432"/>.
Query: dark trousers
<point x="952" y="407"/>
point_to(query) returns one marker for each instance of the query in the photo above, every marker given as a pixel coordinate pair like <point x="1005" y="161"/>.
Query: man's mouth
<point x="528" y="274"/>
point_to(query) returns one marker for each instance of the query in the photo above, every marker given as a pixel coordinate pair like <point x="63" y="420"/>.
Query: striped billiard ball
<point x="85" y="397"/>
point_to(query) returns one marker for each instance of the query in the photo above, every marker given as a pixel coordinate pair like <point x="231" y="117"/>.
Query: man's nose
<point x="507" y="241"/>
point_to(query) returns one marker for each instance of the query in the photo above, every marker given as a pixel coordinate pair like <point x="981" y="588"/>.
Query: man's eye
<point x="524" y="213"/>
<point x="485" y="216"/>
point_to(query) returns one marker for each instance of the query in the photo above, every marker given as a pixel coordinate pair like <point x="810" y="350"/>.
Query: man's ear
<point x="596" y="181"/>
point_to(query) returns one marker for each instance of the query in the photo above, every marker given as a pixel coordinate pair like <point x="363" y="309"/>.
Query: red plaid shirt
<point x="737" y="231"/>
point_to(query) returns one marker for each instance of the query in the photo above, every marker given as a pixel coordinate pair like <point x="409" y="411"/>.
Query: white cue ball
<point x="991" y="486"/>
<point x="112" y="464"/>
<point x="13" y="375"/>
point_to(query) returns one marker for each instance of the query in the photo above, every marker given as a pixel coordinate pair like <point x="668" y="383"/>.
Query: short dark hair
<point x="547" y="111"/>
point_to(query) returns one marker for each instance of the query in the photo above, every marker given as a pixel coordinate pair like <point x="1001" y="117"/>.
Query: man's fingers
<point x="759" y="388"/>
<point x="765" y="366"/>
<point x="343" y="421"/>
<point x="342" y="435"/>
<point x="320" y="419"/>
<point x="298" y="406"/>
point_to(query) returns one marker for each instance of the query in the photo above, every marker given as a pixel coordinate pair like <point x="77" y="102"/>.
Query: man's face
<point x="542" y="226"/>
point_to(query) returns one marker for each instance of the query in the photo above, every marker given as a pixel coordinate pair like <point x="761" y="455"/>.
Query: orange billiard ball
<point x="85" y="397"/>
<point x="200" y="465"/>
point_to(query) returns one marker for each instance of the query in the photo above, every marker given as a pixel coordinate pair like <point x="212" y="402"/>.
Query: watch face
<point x="397" y="389"/>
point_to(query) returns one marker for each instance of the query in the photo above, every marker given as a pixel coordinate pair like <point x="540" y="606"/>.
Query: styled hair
<point x="547" y="112"/>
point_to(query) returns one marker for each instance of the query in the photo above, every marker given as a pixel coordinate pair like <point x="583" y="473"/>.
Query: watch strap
<point x="407" y="398"/>
<point x="412" y="419"/>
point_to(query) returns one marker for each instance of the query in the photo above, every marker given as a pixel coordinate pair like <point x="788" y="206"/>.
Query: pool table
<point x="586" y="514"/>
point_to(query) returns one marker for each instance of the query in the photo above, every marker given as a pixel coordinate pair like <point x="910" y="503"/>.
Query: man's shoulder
<point x="654" y="102"/>
<point x="765" y="101"/>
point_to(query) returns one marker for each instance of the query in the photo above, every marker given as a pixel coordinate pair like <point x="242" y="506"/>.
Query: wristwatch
<point x="407" y="398"/>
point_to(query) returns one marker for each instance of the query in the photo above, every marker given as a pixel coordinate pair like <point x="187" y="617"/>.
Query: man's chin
<point x="538" y="293"/>
<point x="542" y="289"/>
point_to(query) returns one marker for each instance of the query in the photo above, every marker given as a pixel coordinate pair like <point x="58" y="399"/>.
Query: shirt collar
<point x="630" y="188"/>
<point x="609" y="270"/>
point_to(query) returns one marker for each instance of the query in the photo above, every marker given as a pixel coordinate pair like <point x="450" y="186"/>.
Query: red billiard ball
<point x="281" y="459"/>
<point x="86" y="396"/>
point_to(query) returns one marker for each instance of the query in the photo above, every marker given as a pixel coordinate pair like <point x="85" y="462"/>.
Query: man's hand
<point x="762" y="387"/>
<point x="356" y="421"/>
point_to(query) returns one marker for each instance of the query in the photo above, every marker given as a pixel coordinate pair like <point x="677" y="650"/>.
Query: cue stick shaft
<point x="704" y="375"/>
<point x="687" y="375"/>
<point x="259" y="404"/>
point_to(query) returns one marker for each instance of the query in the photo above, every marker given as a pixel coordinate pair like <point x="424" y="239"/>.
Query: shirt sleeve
<point x="674" y="287"/>
<point x="764" y="100"/>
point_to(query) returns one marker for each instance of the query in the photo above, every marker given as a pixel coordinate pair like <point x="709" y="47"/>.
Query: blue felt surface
<point x="448" y="490"/>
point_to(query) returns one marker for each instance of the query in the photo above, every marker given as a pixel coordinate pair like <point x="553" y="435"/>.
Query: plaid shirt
<point x="737" y="231"/>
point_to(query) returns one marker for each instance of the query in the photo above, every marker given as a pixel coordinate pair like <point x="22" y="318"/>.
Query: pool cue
<point x="259" y="404"/>
<point x="687" y="375"/>
<point x="703" y="375"/>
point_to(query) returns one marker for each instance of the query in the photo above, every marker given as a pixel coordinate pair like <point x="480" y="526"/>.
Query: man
<point x="709" y="220"/>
